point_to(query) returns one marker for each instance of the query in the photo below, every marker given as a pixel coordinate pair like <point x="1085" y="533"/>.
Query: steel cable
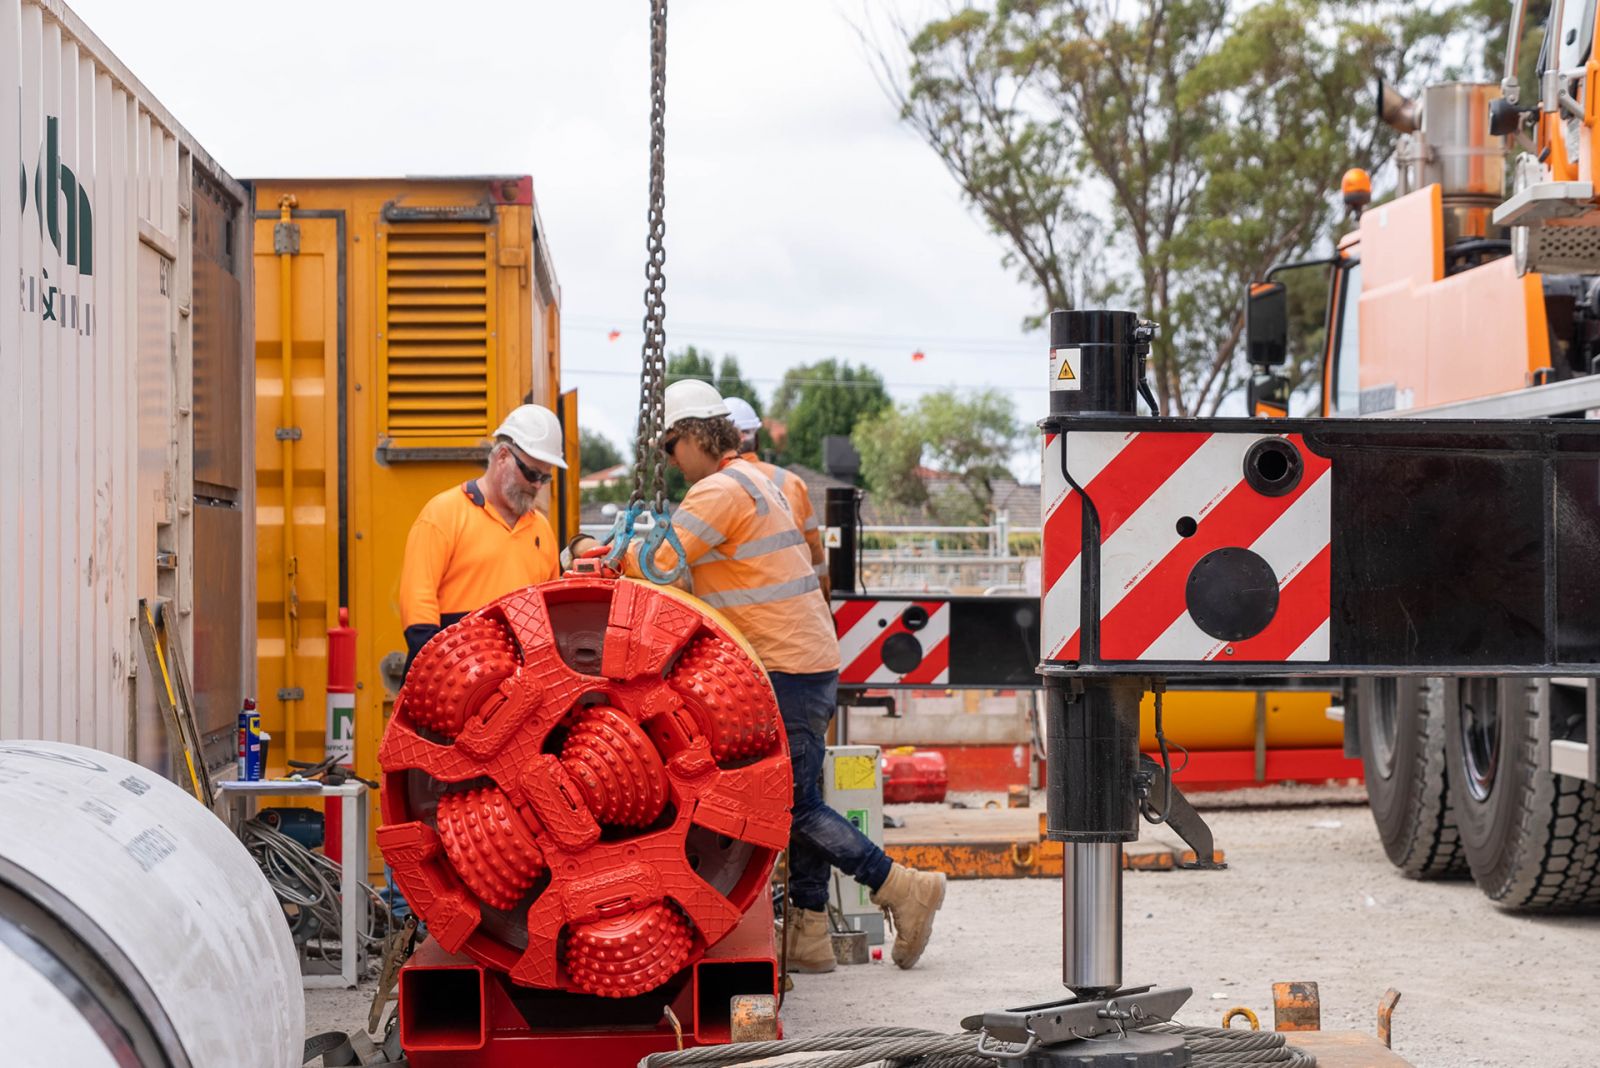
<point x="307" y="885"/>
<point x="1217" y="1047"/>
<point x="906" y="1047"/>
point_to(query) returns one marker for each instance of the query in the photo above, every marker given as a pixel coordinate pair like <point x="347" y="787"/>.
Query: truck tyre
<point x="1401" y="735"/>
<point x="1531" y="838"/>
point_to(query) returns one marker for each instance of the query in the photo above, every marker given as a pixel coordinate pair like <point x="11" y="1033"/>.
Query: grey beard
<point x="521" y="501"/>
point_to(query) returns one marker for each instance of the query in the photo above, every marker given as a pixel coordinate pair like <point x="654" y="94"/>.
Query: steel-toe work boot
<point x="910" y="898"/>
<point x="810" y="945"/>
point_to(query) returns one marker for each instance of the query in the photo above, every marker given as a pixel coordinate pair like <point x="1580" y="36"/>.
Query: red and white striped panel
<point x="1061" y="580"/>
<point x="1141" y="485"/>
<point x="865" y="627"/>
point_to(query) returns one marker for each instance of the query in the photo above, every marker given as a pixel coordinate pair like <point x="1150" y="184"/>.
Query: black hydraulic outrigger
<point x="1233" y="549"/>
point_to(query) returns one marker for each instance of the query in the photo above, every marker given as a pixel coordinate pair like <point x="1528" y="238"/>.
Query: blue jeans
<point x="820" y="838"/>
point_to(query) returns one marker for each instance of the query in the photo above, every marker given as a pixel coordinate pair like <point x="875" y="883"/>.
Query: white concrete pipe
<point x="134" y="928"/>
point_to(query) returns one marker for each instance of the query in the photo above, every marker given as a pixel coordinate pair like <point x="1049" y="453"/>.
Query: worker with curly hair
<point x="748" y="559"/>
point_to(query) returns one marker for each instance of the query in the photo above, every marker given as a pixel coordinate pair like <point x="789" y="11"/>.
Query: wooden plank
<point x="959" y="825"/>
<point x="1346" y="1049"/>
<point x="1003" y="843"/>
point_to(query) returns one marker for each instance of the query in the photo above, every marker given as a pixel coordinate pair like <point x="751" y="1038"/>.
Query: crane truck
<point x="1474" y="294"/>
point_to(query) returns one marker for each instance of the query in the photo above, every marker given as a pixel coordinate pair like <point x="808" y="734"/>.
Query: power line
<point x="848" y="383"/>
<point x="1015" y="347"/>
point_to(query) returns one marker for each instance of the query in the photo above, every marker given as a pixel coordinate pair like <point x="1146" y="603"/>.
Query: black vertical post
<point x="1092" y="722"/>
<point x="839" y="513"/>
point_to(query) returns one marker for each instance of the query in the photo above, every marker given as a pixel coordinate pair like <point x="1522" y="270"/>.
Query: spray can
<point x="249" y="740"/>
<point x="250" y="753"/>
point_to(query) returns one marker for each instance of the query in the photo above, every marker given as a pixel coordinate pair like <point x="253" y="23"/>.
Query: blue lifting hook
<point x="661" y="531"/>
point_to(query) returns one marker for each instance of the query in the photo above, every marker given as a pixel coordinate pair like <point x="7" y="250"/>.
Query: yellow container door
<point x="297" y="444"/>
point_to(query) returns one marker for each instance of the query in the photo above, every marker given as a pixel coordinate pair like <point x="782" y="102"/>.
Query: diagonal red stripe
<point x="936" y="661"/>
<point x="1063" y="538"/>
<point x="846" y="614"/>
<point x="1151" y="606"/>
<point x="871" y="658"/>
<point x="1303" y="606"/>
<point x="1143" y="465"/>
<point x="1069" y="650"/>
<point x="1136" y="472"/>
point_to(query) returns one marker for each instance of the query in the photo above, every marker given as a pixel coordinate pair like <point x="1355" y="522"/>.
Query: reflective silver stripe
<point x="781" y="591"/>
<point x="811" y="522"/>
<point x="779" y="477"/>
<point x="769" y="544"/>
<point x="821" y="570"/>
<point x="693" y="524"/>
<point x="759" y="547"/>
<point x="749" y="487"/>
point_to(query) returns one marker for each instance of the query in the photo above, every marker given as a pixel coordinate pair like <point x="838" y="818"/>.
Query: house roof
<point x="603" y="476"/>
<point x="1019" y="501"/>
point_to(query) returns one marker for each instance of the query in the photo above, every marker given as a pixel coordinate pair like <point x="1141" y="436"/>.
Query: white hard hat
<point x="691" y="398"/>
<point x="744" y="417"/>
<point x="537" y="432"/>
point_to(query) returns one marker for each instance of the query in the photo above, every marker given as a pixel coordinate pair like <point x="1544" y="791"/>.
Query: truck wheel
<point x="1408" y="789"/>
<point x="1531" y="838"/>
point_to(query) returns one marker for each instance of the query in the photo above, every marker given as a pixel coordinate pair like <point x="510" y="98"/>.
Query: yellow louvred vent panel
<point x="437" y="346"/>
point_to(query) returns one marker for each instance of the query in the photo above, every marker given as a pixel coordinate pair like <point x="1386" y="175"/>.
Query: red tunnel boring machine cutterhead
<point x="585" y="785"/>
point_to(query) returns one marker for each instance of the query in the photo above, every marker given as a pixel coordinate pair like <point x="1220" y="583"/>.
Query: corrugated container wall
<point x="126" y="454"/>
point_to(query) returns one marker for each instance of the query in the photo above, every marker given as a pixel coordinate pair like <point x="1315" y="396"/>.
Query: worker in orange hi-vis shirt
<point x="748" y="559"/>
<point x="478" y="541"/>
<point x="791" y="485"/>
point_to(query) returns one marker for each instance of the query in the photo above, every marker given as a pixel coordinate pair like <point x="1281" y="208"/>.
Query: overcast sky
<point x="802" y="220"/>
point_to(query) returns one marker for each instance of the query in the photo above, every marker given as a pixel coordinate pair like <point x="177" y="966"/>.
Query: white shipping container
<point x="129" y="433"/>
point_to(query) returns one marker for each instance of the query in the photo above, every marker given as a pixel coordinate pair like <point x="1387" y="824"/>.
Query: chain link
<point x="649" y="466"/>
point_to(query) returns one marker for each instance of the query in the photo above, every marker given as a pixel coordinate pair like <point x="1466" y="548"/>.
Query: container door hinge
<point x="294" y="693"/>
<point x="287" y="433"/>
<point x="286" y="239"/>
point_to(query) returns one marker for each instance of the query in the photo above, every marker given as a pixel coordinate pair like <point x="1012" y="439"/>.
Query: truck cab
<point x="1427" y="303"/>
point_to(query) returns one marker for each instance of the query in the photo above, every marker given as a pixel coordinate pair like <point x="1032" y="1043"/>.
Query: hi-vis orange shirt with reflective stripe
<point x="461" y="554"/>
<point x="748" y="560"/>
<point x="794" y="490"/>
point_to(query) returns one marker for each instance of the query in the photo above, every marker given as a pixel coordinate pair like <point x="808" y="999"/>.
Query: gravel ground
<point x="1308" y="896"/>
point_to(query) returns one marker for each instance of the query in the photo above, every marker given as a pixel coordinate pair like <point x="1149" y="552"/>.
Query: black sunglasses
<point x="668" y="444"/>
<point x="536" y="478"/>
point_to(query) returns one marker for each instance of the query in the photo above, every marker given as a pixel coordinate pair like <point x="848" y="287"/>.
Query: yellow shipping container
<point x="418" y="312"/>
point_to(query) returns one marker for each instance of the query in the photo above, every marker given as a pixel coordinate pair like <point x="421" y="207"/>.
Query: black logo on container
<point x="67" y="218"/>
<point x="55" y="188"/>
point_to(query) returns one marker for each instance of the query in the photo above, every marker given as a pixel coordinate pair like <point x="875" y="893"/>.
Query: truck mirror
<point x="1505" y="117"/>
<point x="1268" y="395"/>
<point x="1266" y="324"/>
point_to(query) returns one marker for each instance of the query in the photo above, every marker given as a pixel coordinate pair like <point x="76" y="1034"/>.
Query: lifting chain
<point x="649" y="466"/>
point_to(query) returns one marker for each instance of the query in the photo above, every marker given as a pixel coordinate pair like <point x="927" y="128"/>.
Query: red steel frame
<point x="479" y="1019"/>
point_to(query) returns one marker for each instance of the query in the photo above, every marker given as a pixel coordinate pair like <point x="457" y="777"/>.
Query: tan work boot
<point x="910" y="897"/>
<point x="808" y="941"/>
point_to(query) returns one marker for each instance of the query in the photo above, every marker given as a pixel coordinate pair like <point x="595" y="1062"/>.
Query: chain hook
<point x="661" y="532"/>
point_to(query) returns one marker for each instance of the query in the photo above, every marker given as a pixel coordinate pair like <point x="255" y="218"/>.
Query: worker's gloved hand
<point x="576" y="548"/>
<point x="418" y="635"/>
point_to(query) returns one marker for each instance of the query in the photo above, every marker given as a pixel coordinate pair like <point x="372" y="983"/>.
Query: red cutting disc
<point x="585" y="785"/>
